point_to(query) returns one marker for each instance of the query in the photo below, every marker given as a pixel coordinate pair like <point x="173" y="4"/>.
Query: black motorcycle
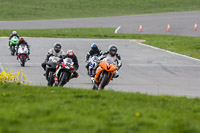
<point x="51" y="69"/>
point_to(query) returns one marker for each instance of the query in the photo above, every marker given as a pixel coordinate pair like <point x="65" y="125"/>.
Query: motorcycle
<point x="23" y="54"/>
<point x="51" y="69"/>
<point x="65" y="71"/>
<point x="93" y="64"/>
<point x="105" y="74"/>
<point x="13" y="42"/>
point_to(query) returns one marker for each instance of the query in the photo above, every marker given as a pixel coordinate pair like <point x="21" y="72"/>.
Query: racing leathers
<point x="76" y="66"/>
<point x="52" y="52"/>
<point x="91" y="53"/>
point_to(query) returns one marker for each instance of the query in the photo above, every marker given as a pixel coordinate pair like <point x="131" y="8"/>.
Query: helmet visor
<point x="57" y="49"/>
<point x="113" y="52"/>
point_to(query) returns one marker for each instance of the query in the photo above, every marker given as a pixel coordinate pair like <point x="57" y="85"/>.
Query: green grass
<point x="56" y="9"/>
<point x="59" y="110"/>
<point x="185" y="45"/>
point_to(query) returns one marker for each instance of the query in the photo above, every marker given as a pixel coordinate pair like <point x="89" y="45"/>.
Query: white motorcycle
<point x="93" y="64"/>
<point x="65" y="71"/>
<point x="23" y="54"/>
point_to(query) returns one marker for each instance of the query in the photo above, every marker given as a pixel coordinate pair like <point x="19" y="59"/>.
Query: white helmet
<point x="14" y="32"/>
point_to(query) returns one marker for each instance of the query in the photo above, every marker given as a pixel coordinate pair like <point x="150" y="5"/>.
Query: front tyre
<point x="63" y="79"/>
<point x="104" y="81"/>
<point x="50" y="79"/>
<point x="13" y="50"/>
<point x="23" y="61"/>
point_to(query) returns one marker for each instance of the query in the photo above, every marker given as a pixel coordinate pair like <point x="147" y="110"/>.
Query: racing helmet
<point x="70" y="54"/>
<point x="57" y="47"/>
<point x="21" y="39"/>
<point x="14" y="32"/>
<point x="94" y="46"/>
<point x="112" y="50"/>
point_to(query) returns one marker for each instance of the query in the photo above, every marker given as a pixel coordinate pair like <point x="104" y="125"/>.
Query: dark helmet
<point x="21" y="39"/>
<point x="94" y="46"/>
<point x="70" y="54"/>
<point x="57" y="47"/>
<point x="112" y="50"/>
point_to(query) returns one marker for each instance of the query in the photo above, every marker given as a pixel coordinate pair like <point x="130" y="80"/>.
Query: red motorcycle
<point x="23" y="54"/>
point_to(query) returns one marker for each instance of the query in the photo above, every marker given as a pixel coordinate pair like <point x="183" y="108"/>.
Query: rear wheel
<point x="104" y="81"/>
<point x="50" y="79"/>
<point x="63" y="79"/>
<point x="23" y="61"/>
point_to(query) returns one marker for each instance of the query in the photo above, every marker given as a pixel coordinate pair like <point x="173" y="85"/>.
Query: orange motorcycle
<point x="104" y="73"/>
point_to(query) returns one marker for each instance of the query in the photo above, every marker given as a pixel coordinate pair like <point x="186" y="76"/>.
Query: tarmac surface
<point x="145" y="69"/>
<point x="182" y="23"/>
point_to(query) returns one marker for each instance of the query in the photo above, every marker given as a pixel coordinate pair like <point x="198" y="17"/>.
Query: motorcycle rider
<point x="55" y="51"/>
<point x="94" y="51"/>
<point x="112" y="52"/>
<point x="70" y="54"/>
<point x="14" y="33"/>
<point x="22" y="41"/>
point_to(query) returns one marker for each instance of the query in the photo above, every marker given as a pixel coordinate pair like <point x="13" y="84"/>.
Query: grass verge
<point x="184" y="45"/>
<point x="46" y="109"/>
<point x="51" y="9"/>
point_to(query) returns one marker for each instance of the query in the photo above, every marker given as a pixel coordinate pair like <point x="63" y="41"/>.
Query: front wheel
<point x="63" y="79"/>
<point x="50" y="79"/>
<point x="23" y="61"/>
<point x="104" y="81"/>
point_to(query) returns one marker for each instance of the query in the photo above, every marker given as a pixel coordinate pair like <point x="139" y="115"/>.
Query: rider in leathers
<point x="22" y="41"/>
<point x="70" y="54"/>
<point x="55" y="51"/>
<point x="94" y="51"/>
<point x="14" y="33"/>
<point x="112" y="52"/>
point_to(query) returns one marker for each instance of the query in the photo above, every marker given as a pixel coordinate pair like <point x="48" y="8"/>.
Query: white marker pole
<point x="1" y="67"/>
<point x="116" y="30"/>
<point x="2" y="70"/>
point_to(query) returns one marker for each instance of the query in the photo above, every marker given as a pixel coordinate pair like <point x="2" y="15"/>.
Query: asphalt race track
<point x="182" y="23"/>
<point x="145" y="69"/>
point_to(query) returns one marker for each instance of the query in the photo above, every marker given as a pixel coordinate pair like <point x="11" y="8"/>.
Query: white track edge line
<point x="192" y="58"/>
<point x="117" y="29"/>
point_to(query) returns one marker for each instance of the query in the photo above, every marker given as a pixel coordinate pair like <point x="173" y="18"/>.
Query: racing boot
<point x="74" y="75"/>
